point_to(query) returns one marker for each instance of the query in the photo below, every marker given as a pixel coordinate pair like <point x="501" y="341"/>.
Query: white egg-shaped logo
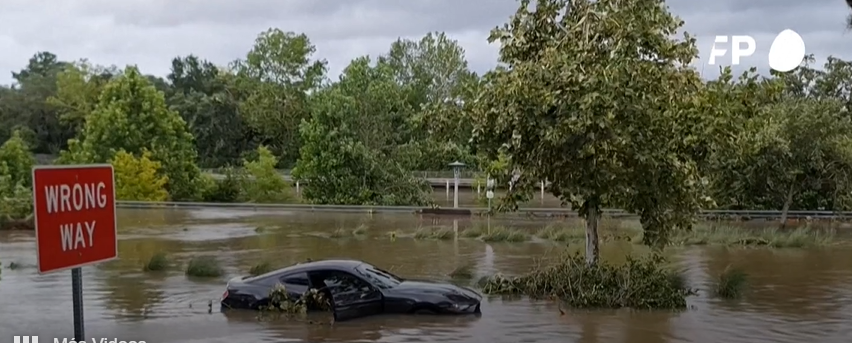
<point x="787" y="51"/>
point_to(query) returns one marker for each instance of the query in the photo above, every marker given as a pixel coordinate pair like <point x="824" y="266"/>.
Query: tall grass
<point x="771" y="237"/>
<point x="341" y="232"/>
<point x="561" y="233"/>
<point x="504" y="234"/>
<point x="438" y="233"/>
<point x="731" y="283"/>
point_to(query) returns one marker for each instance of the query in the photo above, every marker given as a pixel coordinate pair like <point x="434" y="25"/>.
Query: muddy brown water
<point x="795" y="294"/>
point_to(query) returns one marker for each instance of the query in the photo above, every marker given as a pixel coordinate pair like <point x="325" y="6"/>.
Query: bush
<point x="204" y="266"/>
<point x="16" y="200"/>
<point x="640" y="283"/>
<point x="138" y="178"/>
<point x="731" y="283"/>
<point x="264" y="184"/>
<point x="157" y="262"/>
<point x="16" y="163"/>
<point x="18" y="160"/>
<point x="227" y="189"/>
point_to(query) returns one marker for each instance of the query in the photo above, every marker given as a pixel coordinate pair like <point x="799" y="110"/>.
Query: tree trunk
<point x="787" y="202"/>
<point x="592" y="242"/>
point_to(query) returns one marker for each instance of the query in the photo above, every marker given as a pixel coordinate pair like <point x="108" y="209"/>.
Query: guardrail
<point x="426" y="174"/>
<point x="721" y="214"/>
<point x="434" y="182"/>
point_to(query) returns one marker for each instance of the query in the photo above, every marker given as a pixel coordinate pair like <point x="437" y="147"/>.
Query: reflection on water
<point x="794" y="295"/>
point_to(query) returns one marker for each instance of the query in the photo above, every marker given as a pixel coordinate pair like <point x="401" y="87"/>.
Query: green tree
<point x="138" y="178"/>
<point x="25" y="106"/>
<point x="595" y="98"/>
<point x="16" y="155"/>
<point x="78" y="88"/>
<point x="131" y="115"/>
<point x="16" y="163"/>
<point x="434" y="76"/>
<point x="274" y="81"/>
<point x="348" y="143"/>
<point x="208" y="100"/>
<point x="784" y="143"/>
<point x="264" y="184"/>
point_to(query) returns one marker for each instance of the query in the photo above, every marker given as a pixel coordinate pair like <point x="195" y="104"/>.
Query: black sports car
<point x="355" y="289"/>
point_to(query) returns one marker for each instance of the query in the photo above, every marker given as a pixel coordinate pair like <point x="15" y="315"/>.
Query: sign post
<point x="75" y="223"/>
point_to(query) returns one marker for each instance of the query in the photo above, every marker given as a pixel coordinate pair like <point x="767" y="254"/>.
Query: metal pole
<point x="77" y="299"/>
<point x="488" y="219"/>
<point x="456" y="193"/>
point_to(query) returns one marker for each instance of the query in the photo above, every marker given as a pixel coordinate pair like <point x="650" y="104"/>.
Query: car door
<point x="351" y="296"/>
<point x="296" y="284"/>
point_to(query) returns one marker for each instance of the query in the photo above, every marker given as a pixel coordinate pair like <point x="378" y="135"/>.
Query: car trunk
<point x="233" y="284"/>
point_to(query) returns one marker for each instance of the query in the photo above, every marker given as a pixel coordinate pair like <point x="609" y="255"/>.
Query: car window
<point x="379" y="277"/>
<point x="342" y="282"/>
<point x="298" y="279"/>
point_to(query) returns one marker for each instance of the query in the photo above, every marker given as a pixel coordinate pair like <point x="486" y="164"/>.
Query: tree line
<point x="596" y="97"/>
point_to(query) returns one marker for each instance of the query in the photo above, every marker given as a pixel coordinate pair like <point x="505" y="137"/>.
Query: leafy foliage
<point x="131" y="115"/>
<point x="225" y="190"/>
<point x="275" y="77"/>
<point x="138" y="178"/>
<point x="346" y="156"/>
<point x="555" y="114"/>
<point x="16" y="163"/>
<point x="640" y="283"/>
<point x="16" y="160"/>
<point x="264" y="183"/>
<point x="594" y="96"/>
<point x="208" y="99"/>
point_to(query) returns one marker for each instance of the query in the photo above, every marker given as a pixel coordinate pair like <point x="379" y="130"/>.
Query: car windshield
<point x="380" y="277"/>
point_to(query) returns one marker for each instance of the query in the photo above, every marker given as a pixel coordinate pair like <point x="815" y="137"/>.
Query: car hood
<point x="421" y="287"/>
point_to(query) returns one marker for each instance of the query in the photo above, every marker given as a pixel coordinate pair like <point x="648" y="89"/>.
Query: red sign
<point x="75" y="220"/>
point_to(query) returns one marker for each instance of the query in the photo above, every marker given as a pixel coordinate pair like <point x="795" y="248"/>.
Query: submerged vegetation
<point x="770" y="237"/>
<point x="504" y="234"/>
<point x="157" y="262"/>
<point x="343" y="232"/>
<point x="438" y="233"/>
<point x="640" y="283"/>
<point x="629" y="231"/>
<point x="204" y="266"/>
<point x="731" y="283"/>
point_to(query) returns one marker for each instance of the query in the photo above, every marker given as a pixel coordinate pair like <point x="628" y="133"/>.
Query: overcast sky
<point x="150" y="33"/>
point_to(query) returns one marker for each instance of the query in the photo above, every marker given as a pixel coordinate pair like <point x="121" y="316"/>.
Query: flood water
<point x="795" y="295"/>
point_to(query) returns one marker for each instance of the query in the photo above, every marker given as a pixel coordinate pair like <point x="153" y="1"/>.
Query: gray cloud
<point x="150" y="32"/>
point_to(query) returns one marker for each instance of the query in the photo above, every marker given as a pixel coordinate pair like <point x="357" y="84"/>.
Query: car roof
<point x="313" y="265"/>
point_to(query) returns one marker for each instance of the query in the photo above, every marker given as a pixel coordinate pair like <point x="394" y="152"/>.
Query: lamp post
<point x="457" y="166"/>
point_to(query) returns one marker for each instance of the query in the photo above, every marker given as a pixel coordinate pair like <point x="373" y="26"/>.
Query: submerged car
<point x="354" y="289"/>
